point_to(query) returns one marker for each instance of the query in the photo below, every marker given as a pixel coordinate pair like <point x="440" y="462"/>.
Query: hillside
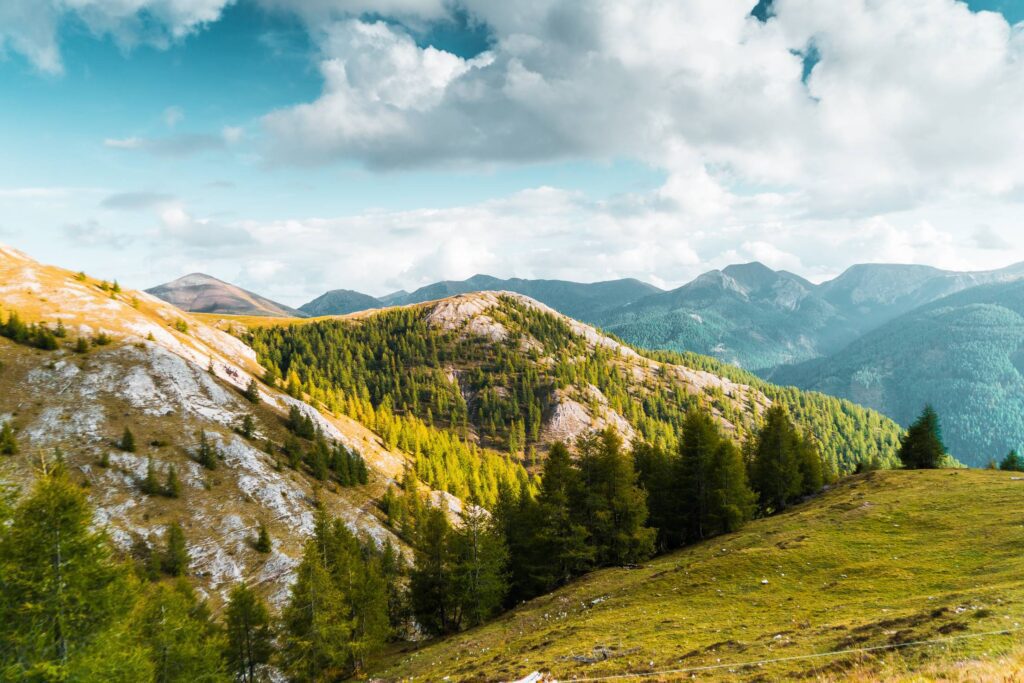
<point x="165" y="375"/>
<point x="579" y="300"/>
<point x="962" y="353"/>
<point x="199" y="293"/>
<point x="507" y="373"/>
<point x="883" y="559"/>
<point x="759" y="318"/>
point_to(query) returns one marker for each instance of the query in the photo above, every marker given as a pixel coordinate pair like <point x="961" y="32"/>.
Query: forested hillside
<point x="507" y="375"/>
<point x="964" y="354"/>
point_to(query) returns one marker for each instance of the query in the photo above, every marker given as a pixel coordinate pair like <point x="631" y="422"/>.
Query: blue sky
<point x="295" y="147"/>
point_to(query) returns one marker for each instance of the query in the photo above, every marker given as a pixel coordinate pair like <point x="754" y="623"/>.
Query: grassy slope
<point x="884" y="558"/>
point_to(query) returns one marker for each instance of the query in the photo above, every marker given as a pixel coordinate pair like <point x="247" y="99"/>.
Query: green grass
<point x="885" y="558"/>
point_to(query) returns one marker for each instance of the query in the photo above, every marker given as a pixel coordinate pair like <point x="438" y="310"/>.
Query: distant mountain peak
<point x="202" y="293"/>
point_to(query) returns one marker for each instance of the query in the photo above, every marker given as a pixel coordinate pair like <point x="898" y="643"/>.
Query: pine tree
<point x="175" y="559"/>
<point x="613" y="507"/>
<point x="249" y="634"/>
<point x="64" y="597"/>
<point x="479" y="571"/>
<point x="8" y="443"/>
<point x="316" y="624"/>
<point x="150" y="486"/>
<point x="206" y="454"/>
<point x="1012" y="462"/>
<point x="812" y="476"/>
<point x="248" y="426"/>
<point x="775" y="471"/>
<point x="184" y="642"/>
<point x="431" y="589"/>
<point x="731" y="502"/>
<point x="127" y="442"/>
<point x="172" y="489"/>
<point x="921" y="447"/>
<point x="699" y="443"/>
<point x="252" y="392"/>
<point x="81" y="345"/>
<point x="263" y="544"/>
<point x="562" y="543"/>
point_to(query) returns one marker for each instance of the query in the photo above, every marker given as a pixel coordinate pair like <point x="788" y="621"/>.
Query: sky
<point x="295" y="146"/>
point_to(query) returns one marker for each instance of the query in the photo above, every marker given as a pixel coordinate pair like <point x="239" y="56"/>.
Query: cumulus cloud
<point x="906" y="101"/>
<point x="31" y="27"/>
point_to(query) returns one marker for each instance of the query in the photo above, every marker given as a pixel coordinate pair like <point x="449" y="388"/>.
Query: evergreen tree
<point x="81" y="345"/>
<point x="775" y="471"/>
<point x="127" y="442"/>
<point x="479" y="571"/>
<point x="185" y="644"/>
<point x="431" y="589"/>
<point x="263" y="543"/>
<point x="249" y="634"/>
<point x="921" y="447"/>
<point x="207" y="454"/>
<point x="731" y="503"/>
<point x="172" y="489"/>
<point x="561" y="541"/>
<point x="175" y="559"/>
<point x="316" y="624"/>
<point x="252" y="392"/>
<point x="1012" y="462"/>
<point x="8" y="444"/>
<point x="697" y="448"/>
<point x="614" y="508"/>
<point x="812" y="474"/>
<point x="248" y="426"/>
<point x="150" y="486"/>
<point x="63" y="596"/>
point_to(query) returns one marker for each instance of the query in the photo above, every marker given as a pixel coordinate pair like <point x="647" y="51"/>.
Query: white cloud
<point x="30" y="27"/>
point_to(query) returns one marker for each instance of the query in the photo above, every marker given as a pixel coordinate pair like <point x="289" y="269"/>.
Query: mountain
<point x="584" y="301"/>
<point x="199" y="293"/>
<point x="748" y="315"/>
<point x="880" y="561"/>
<point x="963" y="353"/>
<point x="340" y="302"/>
<point x="168" y="377"/>
<point x="510" y="374"/>
<point x="450" y="388"/>
<point x="873" y="293"/>
<point x="759" y="318"/>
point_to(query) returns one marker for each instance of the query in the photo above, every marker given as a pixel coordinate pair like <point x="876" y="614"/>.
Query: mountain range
<point x="200" y="293"/>
<point x="843" y="336"/>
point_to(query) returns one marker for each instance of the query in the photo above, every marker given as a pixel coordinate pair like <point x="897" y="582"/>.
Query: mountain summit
<point x="201" y="293"/>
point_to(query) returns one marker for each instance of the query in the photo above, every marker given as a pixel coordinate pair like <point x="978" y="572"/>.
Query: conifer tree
<point x="252" y="392"/>
<point x="263" y="543"/>
<point x="127" y="442"/>
<point x="185" y="644"/>
<point x="249" y="634"/>
<point x="8" y="443"/>
<point x="1012" y="462"/>
<point x="479" y="571"/>
<point x="175" y="559"/>
<point x="812" y="474"/>
<point x="731" y="502"/>
<point x="81" y="345"/>
<point x="63" y="596"/>
<point x="562" y="542"/>
<point x="316" y="624"/>
<point x="150" y="486"/>
<point x="775" y="471"/>
<point x="206" y="454"/>
<point x="172" y="489"/>
<point x="430" y="583"/>
<point x="921" y="447"/>
<point x="614" y="508"/>
<point x="248" y="426"/>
